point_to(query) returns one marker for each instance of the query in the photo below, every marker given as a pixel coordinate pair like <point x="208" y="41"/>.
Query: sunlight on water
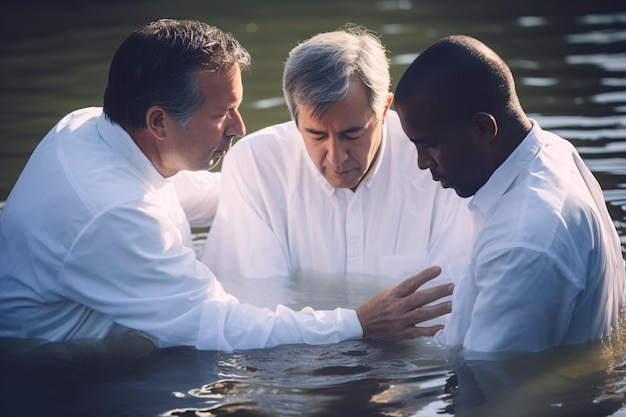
<point x="603" y="19"/>
<point x="528" y="21"/>
<point x="268" y="103"/>
<point x="539" y="82"/>
<point x="608" y="62"/>
<point x="614" y="82"/>
<point x="404" y="59"/>
<point x="615" y="166"/>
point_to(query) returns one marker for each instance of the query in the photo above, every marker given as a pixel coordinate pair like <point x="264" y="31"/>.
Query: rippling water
<point x="569" y="60"/>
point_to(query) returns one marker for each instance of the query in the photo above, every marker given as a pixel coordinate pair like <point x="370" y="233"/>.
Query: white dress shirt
<point x="546" y="266"/>
<point x="94" y="240"/>
<point x="278" y="216"/>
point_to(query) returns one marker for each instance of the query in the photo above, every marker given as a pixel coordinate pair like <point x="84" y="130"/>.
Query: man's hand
<point x="396" y="311"/>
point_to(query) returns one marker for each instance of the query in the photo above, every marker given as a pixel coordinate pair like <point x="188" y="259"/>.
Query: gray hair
<point x="318" y="72"/>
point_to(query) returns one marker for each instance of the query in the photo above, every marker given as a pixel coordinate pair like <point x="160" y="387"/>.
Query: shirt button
<point x="355" y="252"/>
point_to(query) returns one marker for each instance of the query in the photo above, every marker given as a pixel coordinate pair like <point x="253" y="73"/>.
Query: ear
<point x="156" y="122"/>
<point x="389" y="100"/>
<point x="484" y="125"/>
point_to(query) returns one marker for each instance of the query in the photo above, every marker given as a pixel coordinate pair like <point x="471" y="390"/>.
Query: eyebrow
<point x="319" y="132"/>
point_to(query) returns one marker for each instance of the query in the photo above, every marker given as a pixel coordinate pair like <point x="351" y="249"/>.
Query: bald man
<point x="546" y="267"/>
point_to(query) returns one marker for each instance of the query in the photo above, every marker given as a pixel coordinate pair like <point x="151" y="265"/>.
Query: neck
<point x="511" y="135"/>
<point x="149" y="147"/>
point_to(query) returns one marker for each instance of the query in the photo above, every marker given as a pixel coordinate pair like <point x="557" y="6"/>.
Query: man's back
<point x="64" y="223"/>
<point x="44" y="215"/>
<point x="546" y="266"/>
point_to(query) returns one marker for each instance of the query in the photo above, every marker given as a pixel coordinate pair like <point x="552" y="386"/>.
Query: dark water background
<point x="569" y="59"/>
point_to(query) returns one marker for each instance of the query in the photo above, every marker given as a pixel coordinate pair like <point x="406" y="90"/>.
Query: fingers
<point x="421" y="315"/>
<point x="397" y="311"/>
<point x="411" y="284"/>
<point x="426" y="313"/>
<point x="413" y="332"/>
<point x="427" y="296"/>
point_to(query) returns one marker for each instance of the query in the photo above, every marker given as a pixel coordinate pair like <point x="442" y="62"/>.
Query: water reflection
<point x="568" y="381"/>
<point x="374" y="378"/>
<point x="360" y="378"/>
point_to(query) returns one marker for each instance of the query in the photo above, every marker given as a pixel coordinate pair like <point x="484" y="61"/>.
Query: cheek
<point x="316" y="151"/>
<point x="461" y="164"/>
<point x="212" y="133"/>
<point x="363" y="152"/>
<point x="455" y="159"/>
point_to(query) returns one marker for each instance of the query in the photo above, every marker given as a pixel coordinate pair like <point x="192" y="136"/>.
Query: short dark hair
<point x="459" y="76"/>
<point x="157" y="65"/>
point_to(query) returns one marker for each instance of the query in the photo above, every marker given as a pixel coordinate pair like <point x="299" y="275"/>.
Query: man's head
<point x="336" y="85"/>
<point x="178" y="82"/>
<point x="458" y="105"/>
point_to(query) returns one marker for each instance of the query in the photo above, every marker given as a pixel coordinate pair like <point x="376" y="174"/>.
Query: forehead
<point x="417" y="116"/>
<point x="353" y="108"/>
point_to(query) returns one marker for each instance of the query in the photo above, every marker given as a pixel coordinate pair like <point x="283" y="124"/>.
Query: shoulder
<point x="398" y="140"/>
<point x="280" y="143"/>
<point x="104" y="167"/>
<point x="541" y="216"/>
<point x="392" y="118"/>
<point x="401" y="155"/>
<point x="79" y="117"/>
<point x="275" y="136"/>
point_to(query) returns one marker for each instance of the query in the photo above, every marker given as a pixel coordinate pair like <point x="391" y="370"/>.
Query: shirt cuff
<point x="351" y="325"/>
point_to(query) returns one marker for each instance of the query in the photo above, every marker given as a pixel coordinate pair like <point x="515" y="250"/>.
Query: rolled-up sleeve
<point x="130" y="264"/>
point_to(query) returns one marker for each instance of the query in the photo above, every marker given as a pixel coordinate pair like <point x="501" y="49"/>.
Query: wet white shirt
<point x="278" y="216"/>
<point x="546" y="266"/>
<point x="93" y="240"/>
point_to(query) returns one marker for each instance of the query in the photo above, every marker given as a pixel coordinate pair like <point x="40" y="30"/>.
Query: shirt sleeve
<point x="242" y="239"/>
<point x="198" y="193"/>
<point x="130" y="264"/>
<point x="524" y="301"/>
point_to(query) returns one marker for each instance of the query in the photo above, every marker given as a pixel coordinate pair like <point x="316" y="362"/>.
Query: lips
<point x="215" y="158"/>
<point x="339" y="170"/>
<point x="442" y="180"/>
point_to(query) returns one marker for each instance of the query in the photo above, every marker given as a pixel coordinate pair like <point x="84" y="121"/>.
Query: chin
<point x="464" y="193"/>
<point x="336" y="183"/>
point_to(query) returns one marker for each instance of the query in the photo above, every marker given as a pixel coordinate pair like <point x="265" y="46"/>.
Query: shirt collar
<point x="120" y="141"/>
<point x="502" y="178"/>
<point x="369" y="177"/>
<point x="382" y="151"/>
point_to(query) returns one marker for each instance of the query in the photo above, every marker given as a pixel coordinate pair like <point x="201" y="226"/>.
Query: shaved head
<point x="459" y="76"/>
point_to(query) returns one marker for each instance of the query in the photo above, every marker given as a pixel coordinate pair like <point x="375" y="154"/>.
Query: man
<point x="336" y="190"/>
<point x="546" y="267"/>
<point x="93" y="240"/>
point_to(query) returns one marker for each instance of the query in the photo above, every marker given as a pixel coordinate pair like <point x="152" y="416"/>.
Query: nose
<point x="424" y="160"/>
<point x="335" y="153"/>
<point x="236" y="126"/>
